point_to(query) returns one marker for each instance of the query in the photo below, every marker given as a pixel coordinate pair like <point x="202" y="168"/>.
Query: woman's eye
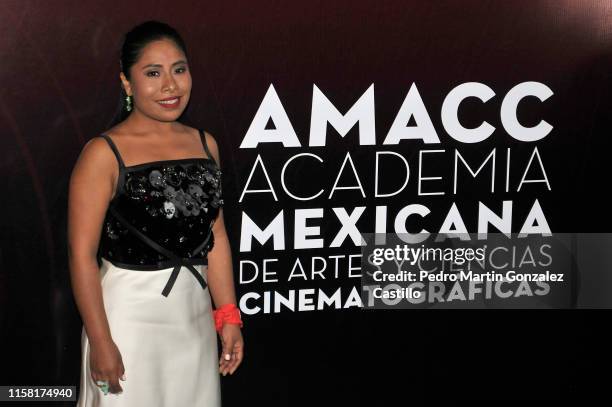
<point x="156" y="73"/>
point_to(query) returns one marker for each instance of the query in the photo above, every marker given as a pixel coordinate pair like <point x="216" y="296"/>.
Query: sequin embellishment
<point x="173" y="203"/>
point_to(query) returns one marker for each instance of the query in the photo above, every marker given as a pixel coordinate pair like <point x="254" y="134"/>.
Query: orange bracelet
<point x="226" y="314"/>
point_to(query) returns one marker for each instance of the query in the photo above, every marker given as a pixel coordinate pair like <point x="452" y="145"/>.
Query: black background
<point x="59" y="81"/>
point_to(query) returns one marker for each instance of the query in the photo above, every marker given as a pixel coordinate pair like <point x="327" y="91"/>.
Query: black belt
<point x="174" y="260"/>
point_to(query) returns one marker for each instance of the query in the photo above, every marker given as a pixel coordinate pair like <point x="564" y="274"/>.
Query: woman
<point x="145" y="202"/>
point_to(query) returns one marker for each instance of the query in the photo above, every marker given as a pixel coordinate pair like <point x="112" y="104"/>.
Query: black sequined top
<point x="162" y="214"/>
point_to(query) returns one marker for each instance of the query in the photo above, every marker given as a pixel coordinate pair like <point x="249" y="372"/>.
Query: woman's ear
<point x="126" y="84"/>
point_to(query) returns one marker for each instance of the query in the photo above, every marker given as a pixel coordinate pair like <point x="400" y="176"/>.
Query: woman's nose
<point x="169" y="84"/>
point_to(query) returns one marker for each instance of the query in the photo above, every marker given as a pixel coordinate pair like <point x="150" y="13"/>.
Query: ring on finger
<point x="103" y="385"/>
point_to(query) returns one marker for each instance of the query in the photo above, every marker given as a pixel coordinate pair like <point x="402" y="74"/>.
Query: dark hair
<point x="133" y="43"/>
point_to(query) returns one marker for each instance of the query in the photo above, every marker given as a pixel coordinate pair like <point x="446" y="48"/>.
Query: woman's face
<point x="160" y="81"/>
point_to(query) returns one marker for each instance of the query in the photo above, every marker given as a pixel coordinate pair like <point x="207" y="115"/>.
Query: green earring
<point x="128" y="102"/>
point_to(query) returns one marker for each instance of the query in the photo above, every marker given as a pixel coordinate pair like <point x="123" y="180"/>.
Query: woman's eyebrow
<point x="159" y="65"/>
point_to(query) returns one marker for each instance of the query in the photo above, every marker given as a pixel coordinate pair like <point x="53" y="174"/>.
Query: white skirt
<point x="168" y="344"/>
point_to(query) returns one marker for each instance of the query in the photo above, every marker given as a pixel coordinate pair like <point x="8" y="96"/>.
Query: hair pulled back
<point x="133" y="43"/>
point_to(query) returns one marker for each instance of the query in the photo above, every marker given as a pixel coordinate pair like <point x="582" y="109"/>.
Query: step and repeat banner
<point x="384" y="165"/>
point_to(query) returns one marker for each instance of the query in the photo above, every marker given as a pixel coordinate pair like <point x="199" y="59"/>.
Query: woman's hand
<point x="232" y="348"/>
<point x="106" y="364"/>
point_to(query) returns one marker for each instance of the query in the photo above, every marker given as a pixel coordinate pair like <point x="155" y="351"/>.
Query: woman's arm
<point x="91" y="187"/>
<point x="221" y="285"/>
<point x="220" y="276"/>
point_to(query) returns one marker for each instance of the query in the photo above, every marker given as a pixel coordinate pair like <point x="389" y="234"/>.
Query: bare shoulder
<point x="97" y="149"/>
<point x="96" y="156"/>
<point x="212" y="145"/>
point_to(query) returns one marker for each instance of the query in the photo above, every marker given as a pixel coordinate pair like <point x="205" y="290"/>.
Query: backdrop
<point x="329" y="115"/>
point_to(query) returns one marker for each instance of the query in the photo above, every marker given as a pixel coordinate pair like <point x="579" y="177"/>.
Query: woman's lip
<point x="169" y="105"/>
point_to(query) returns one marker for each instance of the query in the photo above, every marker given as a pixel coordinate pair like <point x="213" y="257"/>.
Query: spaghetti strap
<point x="121" y="177"/>
<point x="205" y="144"/>
<point x="112" y="145"/>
